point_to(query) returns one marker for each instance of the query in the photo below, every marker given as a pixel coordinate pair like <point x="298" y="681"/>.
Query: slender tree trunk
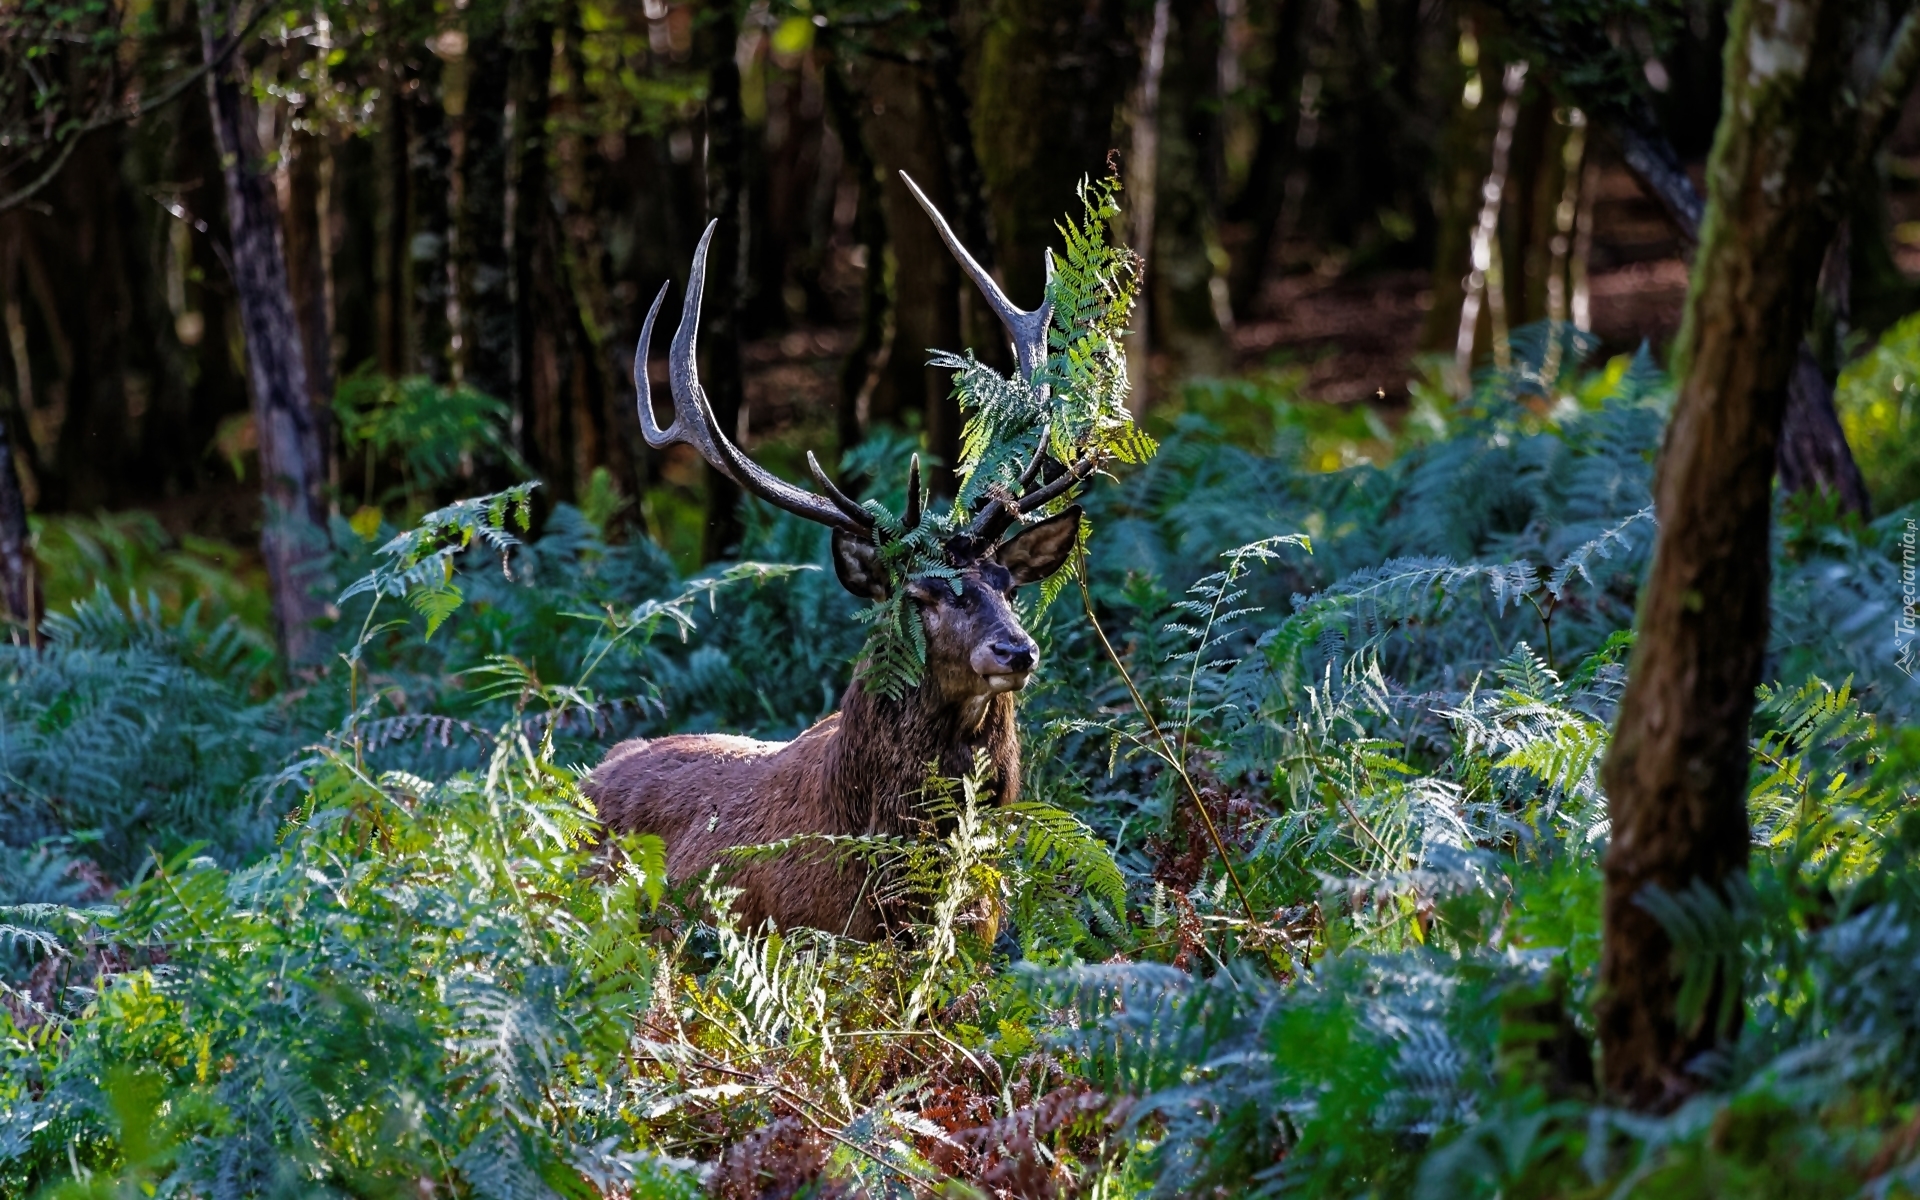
<point x="534" y="81"/>
<point x="389" y="218"/>
<point x="1190" y="324"/>
<point x="307" y="261"/>
<point x="1677" y="771"/>
<point x="20" y="600"/>
<point x="925" y="281"/>
<point x="860" y="374"/>
<point x="19" y="583"/>
<point x="429" y="168"/>
<point x="1813" y="450"/>
<point x="967" y="211"/>
<point x="487" y="319"/>
<point x="715" y="38"/>
<point x="1143" y="172"/>
<point x="292" y="463"/>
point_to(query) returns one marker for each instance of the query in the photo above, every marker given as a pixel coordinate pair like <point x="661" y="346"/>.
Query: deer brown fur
<point x="862" y="770"/>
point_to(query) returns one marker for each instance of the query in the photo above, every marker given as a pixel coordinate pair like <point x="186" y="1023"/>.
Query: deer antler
<point x="695" y="425"/>
<point x="1027" y="329"/>
<point x="1029" y="333"/>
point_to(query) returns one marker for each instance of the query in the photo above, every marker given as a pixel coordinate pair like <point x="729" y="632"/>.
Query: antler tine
<point x="650" y="429"/>
<point x="841" y="500"/>
<point x="1039" y="458"/>
<point x="1027" y="329"/>
<point x="695" y="425"/>
<point x="913" y="494"/>
<point x="998" y="515"/>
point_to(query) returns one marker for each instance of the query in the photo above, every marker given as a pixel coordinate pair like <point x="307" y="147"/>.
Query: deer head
<point x="976" y="646"/>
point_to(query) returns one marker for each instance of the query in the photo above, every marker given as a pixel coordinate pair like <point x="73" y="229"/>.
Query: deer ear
<point x="1040" y="550"/>
<point x="857" y="562"/>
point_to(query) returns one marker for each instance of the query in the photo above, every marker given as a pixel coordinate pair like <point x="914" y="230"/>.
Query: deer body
<point x="861" y="771"/>
<point x="855" y="772"/>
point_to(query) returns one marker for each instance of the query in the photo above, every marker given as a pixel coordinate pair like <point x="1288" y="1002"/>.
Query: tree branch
<point x="1655" y="163"/>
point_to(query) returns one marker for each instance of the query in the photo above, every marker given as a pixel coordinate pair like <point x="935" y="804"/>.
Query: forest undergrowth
<point x="351" y="930"/>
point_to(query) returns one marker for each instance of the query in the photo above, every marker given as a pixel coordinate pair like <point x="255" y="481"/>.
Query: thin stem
<point x="1546" y="624"/>
<point x="1166" y="745"/>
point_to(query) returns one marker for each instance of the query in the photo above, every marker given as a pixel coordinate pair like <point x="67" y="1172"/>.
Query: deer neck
<point x="881" y="755"/>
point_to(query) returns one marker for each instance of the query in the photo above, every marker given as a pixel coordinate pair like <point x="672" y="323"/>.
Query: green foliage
<point x="430" y="433"/>
<point x="434" y="973"/>
<point x="132" y="554"/>
<point x="1878" y="398"/>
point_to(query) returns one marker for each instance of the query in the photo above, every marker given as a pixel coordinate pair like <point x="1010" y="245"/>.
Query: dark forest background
<point x="484" y="196"/>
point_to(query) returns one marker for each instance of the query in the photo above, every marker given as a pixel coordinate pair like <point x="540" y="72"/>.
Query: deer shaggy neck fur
<point x="858" y="771"/>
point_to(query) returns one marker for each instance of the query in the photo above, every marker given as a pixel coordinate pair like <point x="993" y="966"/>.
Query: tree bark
<point x="292" y="463"/>
<point x="390" y="229"/>
<point x="307" y="262"/>
<point x="715" y="38"/>
<point x="535" y="80"/>
<point x="952" y="112"/>
<point x="429" y="171"/>
<point x="20" y="602"/>
<point x="488" y="322"/>
<point x="1052" y="77"/>
<point x="860" y="373"/>
<point x="1677" y="771"/>
<point x="926" y="282"/>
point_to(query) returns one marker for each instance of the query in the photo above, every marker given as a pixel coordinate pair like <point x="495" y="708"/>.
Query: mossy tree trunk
<point x="1676" y="774"/>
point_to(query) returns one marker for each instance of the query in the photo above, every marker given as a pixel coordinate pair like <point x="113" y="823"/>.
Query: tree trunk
<point x="486" y="299"/>
<point x="1258" y="205"/>
<point x="1189" y="322"/>
<point x="390" y="229"/>
<point x="1677" y="771"/>
<point x="968" y="213"/>
<point x="530" y="200"/>
<point x="715" y="39"/>
<point x="1813" y="451"/>
<point x="901" y="131"/>
<point x="307" y="261"/>
<point x="1143" y="178"/>
<point x="860" y="373"/>
<point x="292" y="464"/>
<point x="20" y="602"/>
<point x="429" y="167"/>
<point x="1053" y="76"/>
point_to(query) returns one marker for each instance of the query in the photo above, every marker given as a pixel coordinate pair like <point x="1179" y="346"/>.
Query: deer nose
<point x="1016" y="656"/>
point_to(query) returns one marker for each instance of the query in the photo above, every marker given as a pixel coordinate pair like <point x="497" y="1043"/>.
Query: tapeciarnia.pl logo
<point x="1903" y="625"/>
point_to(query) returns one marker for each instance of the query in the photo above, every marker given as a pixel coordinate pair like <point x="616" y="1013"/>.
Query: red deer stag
<point x="860" y="770"/>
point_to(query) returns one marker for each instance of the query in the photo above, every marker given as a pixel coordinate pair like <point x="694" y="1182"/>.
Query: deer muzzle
<point x="1005" y="665"/>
